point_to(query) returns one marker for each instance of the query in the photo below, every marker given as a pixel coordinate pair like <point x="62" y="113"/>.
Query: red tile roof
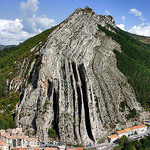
<point x="32" y="139"/>
<point x="122" y="131"/>
<point x="113" y="136"/>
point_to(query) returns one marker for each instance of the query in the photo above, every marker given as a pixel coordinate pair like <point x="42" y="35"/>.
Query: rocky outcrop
<point x="76" y="86"/>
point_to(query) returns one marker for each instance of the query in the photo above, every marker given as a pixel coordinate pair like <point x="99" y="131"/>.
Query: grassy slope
<point x="8" y="57"/>
<point x="134" y="63"/>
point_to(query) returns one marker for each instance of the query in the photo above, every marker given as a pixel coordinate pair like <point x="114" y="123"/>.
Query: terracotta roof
<point x="9" y="129"/>
<point x="22" y="133"/>
<point x="141" y="126"/>
<point x="21" y="137"/>
<point x="5" y="134"/>
<point x="11" y="137"/>
<point x="122" y="131"/>
<point x="127" y="130"/>
<point x="50" y="148"/>
<point x="112" y="136"/>
<point x="32" y="139"/>
<point x="2" y="131"/>
<point x="20" y="149"/>
<point x="136" y="127"/>
<point x="2" y="143"/>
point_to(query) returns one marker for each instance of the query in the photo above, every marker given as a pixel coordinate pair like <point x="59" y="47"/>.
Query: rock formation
<point x="76" y="86"/>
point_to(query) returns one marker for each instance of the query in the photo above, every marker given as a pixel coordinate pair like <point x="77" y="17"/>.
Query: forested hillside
<point x="10" y="64"/>
<point x="134" y="63"/>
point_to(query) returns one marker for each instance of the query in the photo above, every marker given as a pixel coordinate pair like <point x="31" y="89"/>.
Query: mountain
<point x="2" y="47"/>
<point x="79" y="81"/>
<point x="8" y="46"/>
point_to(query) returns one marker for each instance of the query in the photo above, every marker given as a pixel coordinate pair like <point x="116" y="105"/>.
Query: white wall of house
<point x="120" y="135"/>
<point x="112" y="140"/>
<point x="4" y="148"/>
<point x="33" y="143"/>
<point x="141" y="130"/>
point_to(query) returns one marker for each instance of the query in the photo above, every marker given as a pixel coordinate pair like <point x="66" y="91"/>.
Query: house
<point x="121" y="133"/>
<point x="21" y="141"/>
<point x="3" y="146"/>
<point x="112" y="138"/>
<point x="62" y="147"/>
<point x="32" y="142"/>
<point x="19" y="130"/>
<point x="1" y="132"/>
<point x="49" y="148"/>
<point x="142" y="128"/>
<point x="4" y="136"/>
<point x="74" y="148"/>
<point x="139" y="129"/>
<point x="11" y="141"/>
<point x="128" y="131"/>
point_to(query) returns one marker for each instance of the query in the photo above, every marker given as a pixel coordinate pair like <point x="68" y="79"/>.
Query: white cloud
<point x="121" y="26"/>
<point x="18" y="30"/>
<point x="137" y="13"/>
<point x="107" y="12"/>
<point x="11" y="32"/>
<point x="141" y="30"/>
<point x="44" y="23"/>
<point x="31" y="22"/>
<point x="123" y="18"/>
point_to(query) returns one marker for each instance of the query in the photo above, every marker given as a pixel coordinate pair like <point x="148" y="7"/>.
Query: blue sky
<point x="21" y="19"/>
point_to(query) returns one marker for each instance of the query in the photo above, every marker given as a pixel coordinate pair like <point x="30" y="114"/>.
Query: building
<point x="3" y="146"/>
<point x="139" y="129"/>
<point x="49" y="148"/>
<point x="4" y="136"/>
<point x="121" y="133"/>
<point x="128" y="131"/>
<point x="112" y="138"/>
<point x="75" y="148"/>
<point x="1" y="132"/>
<point x="21" y="141"/>
<point x="32" y="142"/>
<point x="62" y="147"/>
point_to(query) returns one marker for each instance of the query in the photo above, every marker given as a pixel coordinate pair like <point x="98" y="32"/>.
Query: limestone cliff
<point x="76" y="85"/>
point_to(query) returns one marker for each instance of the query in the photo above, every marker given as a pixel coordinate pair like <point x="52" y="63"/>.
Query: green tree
<point x="123" y="140"/>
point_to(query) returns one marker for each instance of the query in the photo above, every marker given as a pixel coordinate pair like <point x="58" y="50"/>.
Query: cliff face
<point x="76" y="86"/>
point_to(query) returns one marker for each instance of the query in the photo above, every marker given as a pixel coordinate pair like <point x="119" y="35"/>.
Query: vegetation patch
<point x="102" y="140"/>
<point x="132" y="114"/>
<point x="11" y="60"/>
<point x="133" y="62"/>
<point x="125" y="144"/>
<point x="52" y="134"/>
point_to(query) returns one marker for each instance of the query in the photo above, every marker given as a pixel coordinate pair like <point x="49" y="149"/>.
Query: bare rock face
<point x="77" y="87"/>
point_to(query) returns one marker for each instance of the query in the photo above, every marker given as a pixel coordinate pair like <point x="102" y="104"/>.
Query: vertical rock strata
<point x="77" y="88"/>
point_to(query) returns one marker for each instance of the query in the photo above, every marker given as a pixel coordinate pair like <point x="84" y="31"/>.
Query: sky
<point x="22" y="19"/>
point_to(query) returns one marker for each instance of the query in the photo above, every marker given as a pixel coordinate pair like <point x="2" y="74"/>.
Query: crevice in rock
<point x="21" y="97"/>
<point x="74" y="71"/>
<point x="56" y="111"/>
<point x="85" y="100"/>
<point x="71" y="79"/>
<point x="35" y="116"/>
<point x="79" y="107"/>
<point x="34" y="75"/>
<point x="50" y="87"/>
